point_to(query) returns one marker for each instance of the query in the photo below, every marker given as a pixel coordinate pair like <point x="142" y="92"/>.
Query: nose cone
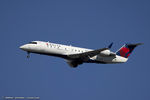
<point x="23" y="47"/>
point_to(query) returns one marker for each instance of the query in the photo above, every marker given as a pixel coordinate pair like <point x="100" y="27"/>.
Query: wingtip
<point x="110" y="45"/>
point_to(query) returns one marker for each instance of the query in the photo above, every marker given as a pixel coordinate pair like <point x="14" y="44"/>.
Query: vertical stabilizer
<point x="127" y="49"/>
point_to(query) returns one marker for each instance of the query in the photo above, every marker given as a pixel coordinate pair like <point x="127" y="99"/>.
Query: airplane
<point x="75" y="56"/>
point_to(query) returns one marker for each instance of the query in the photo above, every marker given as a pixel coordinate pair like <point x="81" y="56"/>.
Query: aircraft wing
<point x="86" y="54"/>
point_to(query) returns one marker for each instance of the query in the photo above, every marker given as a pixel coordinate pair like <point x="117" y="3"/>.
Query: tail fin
<point x="127" y="49"/>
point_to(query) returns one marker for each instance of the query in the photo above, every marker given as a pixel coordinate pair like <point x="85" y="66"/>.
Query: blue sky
<point x="84" y="23"/>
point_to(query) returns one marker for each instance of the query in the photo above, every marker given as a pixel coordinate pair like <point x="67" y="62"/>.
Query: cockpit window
<point x="32" y="42"/>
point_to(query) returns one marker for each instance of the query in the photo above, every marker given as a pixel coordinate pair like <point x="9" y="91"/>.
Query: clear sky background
<point x="85" y="23"/>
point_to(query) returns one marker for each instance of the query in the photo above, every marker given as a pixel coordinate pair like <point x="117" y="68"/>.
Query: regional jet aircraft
<point x="76" y="55"/>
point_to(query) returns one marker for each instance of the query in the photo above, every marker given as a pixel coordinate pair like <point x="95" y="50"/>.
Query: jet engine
<point x="105" y="53"/>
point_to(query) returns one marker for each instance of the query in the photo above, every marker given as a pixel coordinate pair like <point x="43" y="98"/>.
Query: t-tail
<point x="127" y="49"/>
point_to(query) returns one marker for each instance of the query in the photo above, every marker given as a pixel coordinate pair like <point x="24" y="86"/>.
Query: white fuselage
<point x="63" y="51"/>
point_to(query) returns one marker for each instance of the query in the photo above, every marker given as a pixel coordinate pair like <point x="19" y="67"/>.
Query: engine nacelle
<point x="105" y="53"/>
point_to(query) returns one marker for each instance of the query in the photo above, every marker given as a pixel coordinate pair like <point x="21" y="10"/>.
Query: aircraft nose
<point x="23" y="47"/>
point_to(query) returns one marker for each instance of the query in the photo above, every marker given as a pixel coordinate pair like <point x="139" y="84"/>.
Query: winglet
<point x="110" y="45"/>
